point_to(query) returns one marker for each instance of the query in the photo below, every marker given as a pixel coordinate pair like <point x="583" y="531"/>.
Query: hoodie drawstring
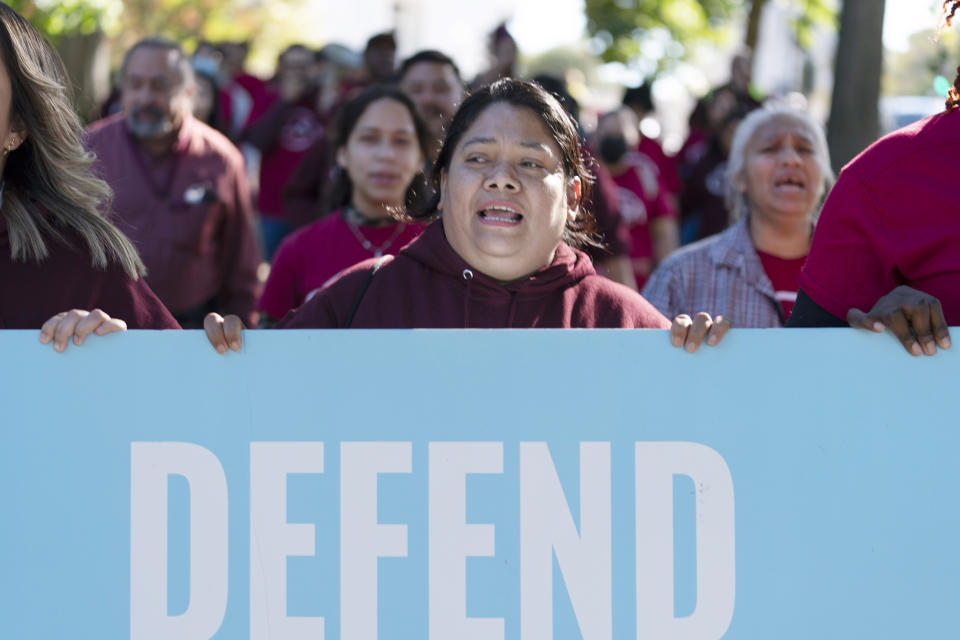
<point x="513" y="309"/>
<point x="468" y="276"/>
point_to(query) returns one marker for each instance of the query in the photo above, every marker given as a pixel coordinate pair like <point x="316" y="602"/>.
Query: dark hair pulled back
<point x="340" y="191"/>
<point x="558" y="124"/>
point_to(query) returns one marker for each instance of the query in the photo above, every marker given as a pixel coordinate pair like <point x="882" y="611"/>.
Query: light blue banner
<point x="478" y="484"/>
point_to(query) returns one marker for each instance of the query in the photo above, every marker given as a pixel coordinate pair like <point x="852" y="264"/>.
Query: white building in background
<point x="782" y="67"/>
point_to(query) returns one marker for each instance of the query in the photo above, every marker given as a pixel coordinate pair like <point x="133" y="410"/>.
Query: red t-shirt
<point x="892" y="219"/>
<point x="640" y="203"/>
<point x="299" y="130"/>
<point x="784" y="273"/>
<point x="308" y="258"/>
<point x="666" y="164"/>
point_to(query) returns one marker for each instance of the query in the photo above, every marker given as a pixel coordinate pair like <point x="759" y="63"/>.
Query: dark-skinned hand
<point x="914" y="317"/>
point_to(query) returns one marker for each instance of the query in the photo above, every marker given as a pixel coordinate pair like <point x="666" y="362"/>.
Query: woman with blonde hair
<point x="58" y="249"/>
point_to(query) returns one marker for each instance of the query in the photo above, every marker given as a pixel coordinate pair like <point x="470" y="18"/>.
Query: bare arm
<point x="664" y="236"/>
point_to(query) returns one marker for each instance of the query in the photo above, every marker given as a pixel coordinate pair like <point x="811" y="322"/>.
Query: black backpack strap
<point x="363" y="290"/>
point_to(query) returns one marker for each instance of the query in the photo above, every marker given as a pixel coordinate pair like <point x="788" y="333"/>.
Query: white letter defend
<point x="151" y="464"/>
<point x="546" y="526"/>
<point x="452" y="540"/>
<point x="362" y="539"/>
<point x="656" y="464"/>
<point x="272" y="539"/>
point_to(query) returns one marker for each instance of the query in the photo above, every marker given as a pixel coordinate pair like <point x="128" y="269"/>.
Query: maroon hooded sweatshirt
<point x="429" y="286"/>
<point x="32" y="293"/>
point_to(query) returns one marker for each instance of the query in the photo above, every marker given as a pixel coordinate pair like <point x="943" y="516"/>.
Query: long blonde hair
<point x="50" y="190"/>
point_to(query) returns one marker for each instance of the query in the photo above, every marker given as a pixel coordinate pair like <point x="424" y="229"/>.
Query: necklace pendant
<point x="378" y="254"/>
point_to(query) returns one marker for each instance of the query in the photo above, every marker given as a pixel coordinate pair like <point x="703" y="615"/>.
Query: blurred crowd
<point x="647" y="202"/>
<point x="261" y="199"/>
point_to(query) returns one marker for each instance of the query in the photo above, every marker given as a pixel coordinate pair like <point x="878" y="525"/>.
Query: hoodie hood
<point x="429" y="286"/>
<point x="432" y="250"/>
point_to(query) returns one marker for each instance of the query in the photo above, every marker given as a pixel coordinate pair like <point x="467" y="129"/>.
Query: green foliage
<point x="912" y="72"/>
<point x="812" y="14"/>
<point x="632" y="29"/>
<point x="658" y="33"/>
<point x="55" y="18"/>
<point x="185" y="21"/>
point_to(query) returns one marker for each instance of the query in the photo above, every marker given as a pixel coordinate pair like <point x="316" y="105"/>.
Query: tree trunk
<point x="753" y="24"/>
<point x="854" y="119"/>
<point x="87" y="59"/>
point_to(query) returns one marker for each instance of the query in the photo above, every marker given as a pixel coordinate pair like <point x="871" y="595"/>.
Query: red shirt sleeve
<point x="851" y="262"/>
<point x="31" y="292"/>
<point x="136" y="304"/>
<point x="281" y="292"/>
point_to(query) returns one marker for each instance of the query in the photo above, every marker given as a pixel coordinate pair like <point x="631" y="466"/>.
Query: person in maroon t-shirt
<point x="284" y="134"/>
<point x="432" y="80"/>
<point x="703" y="200"/>
<point x="57" y="249"/>
<point x="640" y="100"/>
<point x="611" y="256"/>
<point x="380" y="145"/>
<point x="241" y="94"/>
<point x="509" y="181"/>
<point x="886" y="254"/>
<point x="380" y="58"/>
<point x="643" y="197"/>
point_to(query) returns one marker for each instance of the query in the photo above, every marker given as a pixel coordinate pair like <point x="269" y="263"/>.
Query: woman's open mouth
<point x="385" y="177"/>
<point x="500" y="214"/>
<point x="790" y="184"/>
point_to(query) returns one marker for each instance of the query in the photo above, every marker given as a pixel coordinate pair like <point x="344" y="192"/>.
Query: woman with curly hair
<point x="888" y="238"/>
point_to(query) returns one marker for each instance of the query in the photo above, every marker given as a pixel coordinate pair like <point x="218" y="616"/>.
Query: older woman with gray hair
<point x="778" y="172"/>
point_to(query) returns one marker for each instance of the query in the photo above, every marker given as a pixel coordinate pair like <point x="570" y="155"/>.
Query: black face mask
<point x="612" y="149"/>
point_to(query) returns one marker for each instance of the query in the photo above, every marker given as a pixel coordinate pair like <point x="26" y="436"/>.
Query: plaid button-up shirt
<point x="721" y="275"/>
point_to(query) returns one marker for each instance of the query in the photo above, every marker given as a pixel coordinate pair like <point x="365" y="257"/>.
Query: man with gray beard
<point x="180" y="189"/>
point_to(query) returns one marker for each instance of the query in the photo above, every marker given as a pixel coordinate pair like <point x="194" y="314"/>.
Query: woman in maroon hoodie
<point x="57" y="250"/>
<point x="509" y="181"/>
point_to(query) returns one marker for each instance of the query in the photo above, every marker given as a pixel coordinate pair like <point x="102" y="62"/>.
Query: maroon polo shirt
<point x="189" y="214"/>
<point x="31" y="293"/>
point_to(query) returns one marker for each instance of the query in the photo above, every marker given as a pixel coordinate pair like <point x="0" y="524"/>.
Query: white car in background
<point x="899" y="111"/>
